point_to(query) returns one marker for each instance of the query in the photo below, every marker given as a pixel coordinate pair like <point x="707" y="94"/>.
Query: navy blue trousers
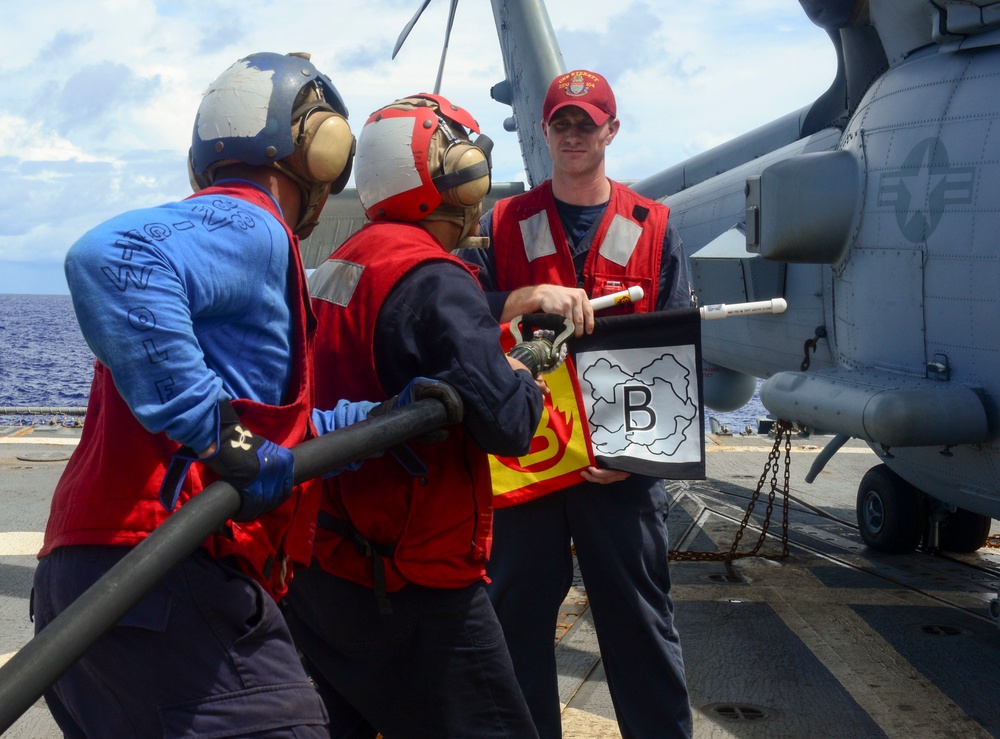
<point x="205" y="653"/>
<point x="620" y="535"/>
<point x="435" y="668"/>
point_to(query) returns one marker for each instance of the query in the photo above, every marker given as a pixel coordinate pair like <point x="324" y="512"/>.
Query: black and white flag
<point x="640" y="381"/>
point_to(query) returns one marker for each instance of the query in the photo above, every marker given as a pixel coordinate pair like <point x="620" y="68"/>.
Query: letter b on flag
<point x="639" y="414"/>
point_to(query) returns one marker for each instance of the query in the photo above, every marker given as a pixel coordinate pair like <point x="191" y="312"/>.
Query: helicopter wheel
<point x="964" y="531"/>
<point x="890" y="511"/>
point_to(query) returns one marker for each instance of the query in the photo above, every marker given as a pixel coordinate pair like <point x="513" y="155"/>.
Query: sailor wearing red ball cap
<point x="577" y="236"/>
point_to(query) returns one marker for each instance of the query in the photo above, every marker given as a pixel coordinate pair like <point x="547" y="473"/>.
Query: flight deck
<point x="834" y="640"/>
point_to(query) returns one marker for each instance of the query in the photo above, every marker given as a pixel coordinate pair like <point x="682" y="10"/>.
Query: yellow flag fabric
<point x="559" y="450"/>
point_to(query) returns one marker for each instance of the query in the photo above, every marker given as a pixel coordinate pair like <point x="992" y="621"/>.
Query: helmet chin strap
<point x="465" y="218"/>
<point x="314" y="195"/>
<point x="474" y="242"/>
<point x="472" y="214"/>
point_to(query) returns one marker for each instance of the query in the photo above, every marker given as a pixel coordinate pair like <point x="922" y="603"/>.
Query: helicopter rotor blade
<point x="409" y="26"/>
<point x="444" y="51"/>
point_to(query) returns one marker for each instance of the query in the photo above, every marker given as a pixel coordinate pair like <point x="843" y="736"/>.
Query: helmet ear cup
<point x="327" y="146"/>
<point x="466" y="178"/>
<point x="324" y="146"/>
<point x="321" y="160"/>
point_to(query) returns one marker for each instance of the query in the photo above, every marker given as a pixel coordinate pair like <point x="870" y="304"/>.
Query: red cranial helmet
<point x="415" y="157"/>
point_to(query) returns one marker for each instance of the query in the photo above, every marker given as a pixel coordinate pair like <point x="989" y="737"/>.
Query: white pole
<point x="708" y="312"/>
<point x="721" y="310"/>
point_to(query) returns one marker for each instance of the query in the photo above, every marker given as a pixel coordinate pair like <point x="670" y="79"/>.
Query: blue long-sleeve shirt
<point x="187" y="303"/>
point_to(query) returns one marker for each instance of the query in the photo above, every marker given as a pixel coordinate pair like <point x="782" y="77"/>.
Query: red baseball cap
<point x="586" y="90"/>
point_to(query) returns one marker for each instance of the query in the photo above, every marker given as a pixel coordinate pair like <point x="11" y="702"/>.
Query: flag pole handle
<point x="43" y="660"/>
<point x="631" y="295"/>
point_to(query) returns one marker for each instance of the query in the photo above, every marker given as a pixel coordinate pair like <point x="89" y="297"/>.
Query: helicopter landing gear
<point x="964" y="531"/>
<point x="890" y="511"/>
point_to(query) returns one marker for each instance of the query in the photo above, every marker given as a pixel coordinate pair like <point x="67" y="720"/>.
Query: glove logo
<point x="241" y="442"/>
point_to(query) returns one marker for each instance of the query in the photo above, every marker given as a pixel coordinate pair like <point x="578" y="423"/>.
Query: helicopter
<point x="874" y="212"/>
<point x="869" y="211"/>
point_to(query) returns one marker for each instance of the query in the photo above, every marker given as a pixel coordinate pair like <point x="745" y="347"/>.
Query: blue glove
<point x="344" y="414"/>
<point x="260" y="469"/>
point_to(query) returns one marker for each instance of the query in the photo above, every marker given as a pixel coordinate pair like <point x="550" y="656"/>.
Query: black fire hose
<point x="59" y="645"/>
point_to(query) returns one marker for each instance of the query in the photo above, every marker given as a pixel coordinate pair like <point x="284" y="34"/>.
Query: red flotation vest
<point x="433" y="529"/>
<point x="530" y="246"/>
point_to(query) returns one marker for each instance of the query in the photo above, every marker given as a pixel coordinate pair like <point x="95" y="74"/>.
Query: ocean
<point x="44" y="361"/>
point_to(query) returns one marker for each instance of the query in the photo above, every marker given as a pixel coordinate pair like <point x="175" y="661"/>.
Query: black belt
<point x="365" y="548"/>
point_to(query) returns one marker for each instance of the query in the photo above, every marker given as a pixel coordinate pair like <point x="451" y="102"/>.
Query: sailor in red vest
<point x="576" y="236"/>
<point x="198" y="314"/>
<point x="392" y="617"/>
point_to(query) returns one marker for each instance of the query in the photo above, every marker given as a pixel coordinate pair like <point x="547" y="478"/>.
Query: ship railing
<point x="16" y="415"/>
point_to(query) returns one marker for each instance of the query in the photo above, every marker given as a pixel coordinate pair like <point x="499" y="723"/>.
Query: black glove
<point x="260" y="469"/>
<point x="418" y="389"/>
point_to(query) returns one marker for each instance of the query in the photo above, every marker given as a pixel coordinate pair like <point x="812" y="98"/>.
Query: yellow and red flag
<point x="559" y="450"/>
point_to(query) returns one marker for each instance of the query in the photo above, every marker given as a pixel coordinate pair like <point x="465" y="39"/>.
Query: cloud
<point x="98" y="100"/>
<point x="601" y="50"/>
<point x="97" y="96"/>
<point x="366" y="56"/>
<point x="24" y="140"/>
<point x="51" y="191"/>
<point x="63" y="45"/>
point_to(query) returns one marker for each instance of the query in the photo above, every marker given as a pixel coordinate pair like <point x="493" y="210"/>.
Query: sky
<point x="97" y="99"/>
